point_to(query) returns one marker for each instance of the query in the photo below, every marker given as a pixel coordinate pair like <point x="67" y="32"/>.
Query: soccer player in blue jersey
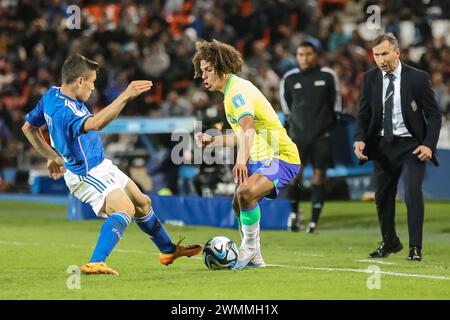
<point x="77" y="152"/>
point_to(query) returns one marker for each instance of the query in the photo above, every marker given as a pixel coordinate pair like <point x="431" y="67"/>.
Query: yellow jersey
<point x="242" y="98"/>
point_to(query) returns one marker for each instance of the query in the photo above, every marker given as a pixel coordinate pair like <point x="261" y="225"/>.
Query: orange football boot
<point x="97" y="268"/>
<point x="180" y="251"/>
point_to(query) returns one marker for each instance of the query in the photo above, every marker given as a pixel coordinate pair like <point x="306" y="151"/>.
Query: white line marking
<point x="308" y="254"/>
<point x="376" y="261"/>
<point x="388" y="273"/>
<point x="13" y="243"/>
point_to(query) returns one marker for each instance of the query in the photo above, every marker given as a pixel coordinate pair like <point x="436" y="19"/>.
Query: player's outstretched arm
<point x="108" y="114"/>
<point x="204" y="140"/>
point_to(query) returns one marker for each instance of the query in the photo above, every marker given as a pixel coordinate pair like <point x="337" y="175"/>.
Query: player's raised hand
<point x="203" y="139"/>
<point x="55" y="168"/>
<point x="240" y="174"/>
<point x="138" y="87"/>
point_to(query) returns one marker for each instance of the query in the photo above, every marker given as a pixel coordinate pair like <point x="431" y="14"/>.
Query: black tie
<point x="388" y="109"/>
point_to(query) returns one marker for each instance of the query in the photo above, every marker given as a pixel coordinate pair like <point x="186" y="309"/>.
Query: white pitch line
<point x="389" y="273"/>
<point x="379" y="262"/>
<point x="13" y="243"/>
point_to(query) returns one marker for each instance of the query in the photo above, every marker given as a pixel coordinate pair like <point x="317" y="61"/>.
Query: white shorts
<point x="98" y="183"/>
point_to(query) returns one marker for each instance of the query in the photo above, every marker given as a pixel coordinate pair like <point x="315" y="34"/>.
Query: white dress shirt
<point x="398" y="125"/>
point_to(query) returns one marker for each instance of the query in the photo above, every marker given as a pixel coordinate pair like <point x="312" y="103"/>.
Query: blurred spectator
<point x="209" y="115"/>
<point x="392" y="24"/>
<point x="337" y="36"/>
<point x="266" y="79"/>
<point x="441" y="92"/>
<point x="116" y="86"/>
<point x="181" y="70"/>
<point x="216" y="28"/>
<point x="155" y="60"/>
<point x="423" y="34"/>
<point x="285" y="60"/>
<point x="405" y="58"/>
<point x="175" y="106"/>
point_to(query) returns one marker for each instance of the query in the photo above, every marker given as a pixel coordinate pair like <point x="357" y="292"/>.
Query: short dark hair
<point x="308" y="44"/>
<point x="386" y="36"/>
<point x="77" y="66"/>
<point x="223" y="57"/>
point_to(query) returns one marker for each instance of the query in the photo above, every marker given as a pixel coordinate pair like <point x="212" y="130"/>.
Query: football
<point x="220" y="253"/>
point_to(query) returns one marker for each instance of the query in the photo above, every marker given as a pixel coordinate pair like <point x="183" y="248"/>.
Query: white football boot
<point x="249" y="256"/>
<point x="244" y="257"/>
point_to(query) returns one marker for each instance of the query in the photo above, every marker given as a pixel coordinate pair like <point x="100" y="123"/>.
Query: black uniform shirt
<point x="310" y="98"/>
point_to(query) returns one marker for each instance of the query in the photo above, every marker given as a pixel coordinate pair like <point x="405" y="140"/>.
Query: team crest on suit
<point x="414" y="105"/>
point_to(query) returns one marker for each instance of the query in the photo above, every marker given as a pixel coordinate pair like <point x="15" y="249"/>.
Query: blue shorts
<point x="276" y="170"/>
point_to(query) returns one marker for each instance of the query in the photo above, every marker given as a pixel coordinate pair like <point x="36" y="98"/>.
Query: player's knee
<point x="318" y="180"/>
<point x="244" y="196"/>
<point x="119" y="202"/>
<point x="318" y="177"/>
<point x="143" y="206"/>
<point x="297" y="180"/>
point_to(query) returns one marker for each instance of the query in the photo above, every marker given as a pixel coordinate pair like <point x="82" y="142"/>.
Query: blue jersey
<point x="65" y="118"/>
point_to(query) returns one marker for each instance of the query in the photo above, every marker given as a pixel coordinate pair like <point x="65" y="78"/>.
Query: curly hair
<point x="223" y="57"/>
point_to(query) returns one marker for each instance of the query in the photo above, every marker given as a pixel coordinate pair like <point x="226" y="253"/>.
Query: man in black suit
<point x="398" y="127"/>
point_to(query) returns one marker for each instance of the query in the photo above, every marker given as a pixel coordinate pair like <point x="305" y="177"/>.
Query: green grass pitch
<point x="38" y="244"/>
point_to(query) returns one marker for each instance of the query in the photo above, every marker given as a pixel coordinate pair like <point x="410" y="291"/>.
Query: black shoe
<point x="415" y="254"/>
<point x="295" y="226"/>
<point x="385" y="249"/>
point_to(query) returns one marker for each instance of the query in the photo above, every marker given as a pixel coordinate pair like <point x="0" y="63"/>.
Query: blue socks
<point x="151" y="225"/>
<point x="114" y="227"/>
<point x="110" y="233"/>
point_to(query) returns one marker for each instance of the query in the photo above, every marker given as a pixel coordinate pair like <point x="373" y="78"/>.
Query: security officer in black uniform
<point x="310" y="97"/>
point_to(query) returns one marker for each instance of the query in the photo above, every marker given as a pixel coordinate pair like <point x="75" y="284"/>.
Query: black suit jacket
<point x="419" y="109"/>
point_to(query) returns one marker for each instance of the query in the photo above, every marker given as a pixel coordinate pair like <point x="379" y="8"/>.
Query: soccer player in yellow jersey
<point x="266" y="160"/>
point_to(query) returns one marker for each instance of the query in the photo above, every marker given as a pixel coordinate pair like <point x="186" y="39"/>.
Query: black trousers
<point x="395" y="159"/>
